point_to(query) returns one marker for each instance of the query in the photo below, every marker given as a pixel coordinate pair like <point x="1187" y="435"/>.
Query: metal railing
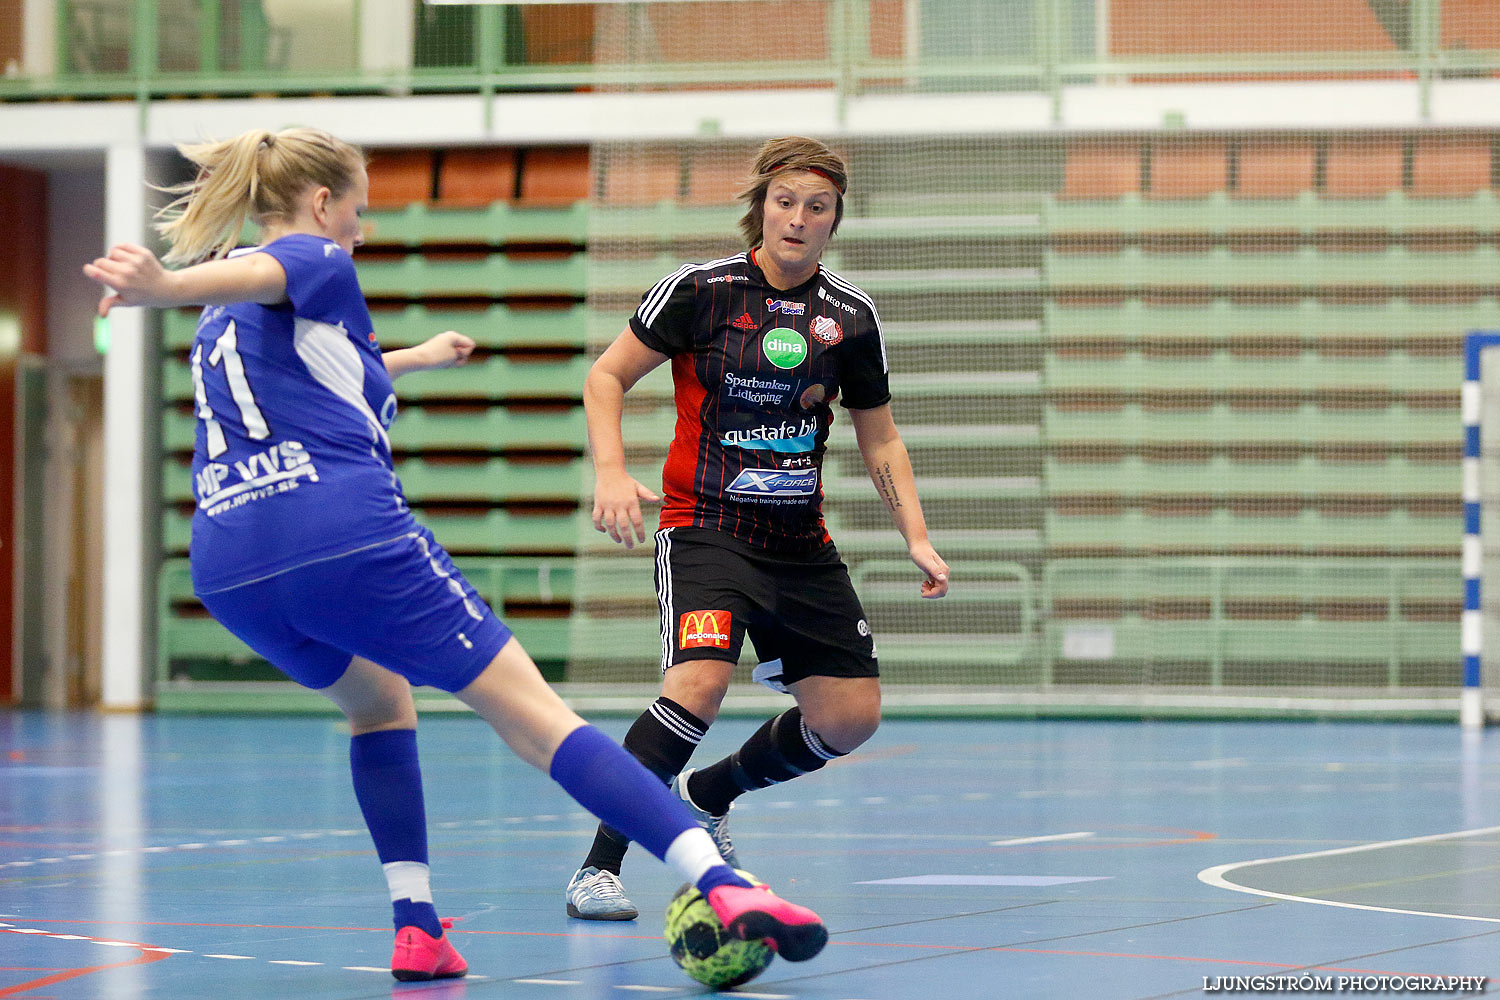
<point x="150" y="49"/>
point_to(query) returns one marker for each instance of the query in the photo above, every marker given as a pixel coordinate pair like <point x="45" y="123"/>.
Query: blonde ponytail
<point x="259" y="176"/>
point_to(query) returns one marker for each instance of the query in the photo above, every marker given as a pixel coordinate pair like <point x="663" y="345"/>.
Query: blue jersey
<point x="291" y="461"/>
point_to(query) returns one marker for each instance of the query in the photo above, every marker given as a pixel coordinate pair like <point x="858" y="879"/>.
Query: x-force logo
<point x="776" y="482"/>
<point x="703" y="628"/>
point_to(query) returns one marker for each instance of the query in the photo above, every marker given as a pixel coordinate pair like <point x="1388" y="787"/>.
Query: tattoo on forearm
<point x="885" y="482"/>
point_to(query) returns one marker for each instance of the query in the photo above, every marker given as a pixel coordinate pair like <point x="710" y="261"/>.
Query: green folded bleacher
<point x="1219" y="213"/>
<point x="1221" y="474"/>
<point x="1206" y="528"/>
<point x="501" y="531"/>
<point x="663" y="220"/>
<point x="496" y="275"/>
<point x="1391" y="317"/>
<point x="498" y="377"/>
<point x="489" y="478"/>
<point x="1216" y="367"/>
<point x="989" y="624"/>
<point x="1220" y="612"/>
<point x="423" y="223"/>
<point x="1128" y="420"/>
<point x="1306" y="267"/>
<point x="487" y="427"/>
<point x="494" y="325"/>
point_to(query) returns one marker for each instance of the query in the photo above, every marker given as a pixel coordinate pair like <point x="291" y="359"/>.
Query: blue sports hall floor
<point x="224" y="857"/>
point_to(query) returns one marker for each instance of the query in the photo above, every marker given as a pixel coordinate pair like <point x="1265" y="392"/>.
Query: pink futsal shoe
<point x="756" y="913"/>
<point x="419" y="956"/>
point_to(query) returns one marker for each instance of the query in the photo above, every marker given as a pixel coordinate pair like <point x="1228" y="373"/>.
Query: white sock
<point x="693" y="853"/>
<point x="411" y="880"/>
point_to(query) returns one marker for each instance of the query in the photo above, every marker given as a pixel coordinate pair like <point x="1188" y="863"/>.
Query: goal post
<point x="1481" y="403"/>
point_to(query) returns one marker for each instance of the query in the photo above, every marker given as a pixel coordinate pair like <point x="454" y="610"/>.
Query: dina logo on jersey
<point x="776" y="483"/>
<point x="784" y="348"/>
<point x="789" y="308"/>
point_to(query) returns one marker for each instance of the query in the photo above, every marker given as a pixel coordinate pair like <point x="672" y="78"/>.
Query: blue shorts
<point x="400" y="604"/>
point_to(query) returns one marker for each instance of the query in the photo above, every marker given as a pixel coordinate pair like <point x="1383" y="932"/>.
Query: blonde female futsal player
<point x="303" y="545"/>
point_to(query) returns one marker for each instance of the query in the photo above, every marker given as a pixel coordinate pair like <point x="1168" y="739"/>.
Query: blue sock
<point x="423" y="915"/>
<point x="388" y="785"/>
<point x="610" y="783"/>
<point x="719" y="875"/>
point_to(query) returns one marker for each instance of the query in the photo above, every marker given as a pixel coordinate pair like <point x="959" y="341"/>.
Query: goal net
<point x="1182" y="404"/>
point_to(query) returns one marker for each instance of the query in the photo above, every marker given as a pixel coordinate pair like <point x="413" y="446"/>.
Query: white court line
<point x="247" y="841"/>
<point x="1080" y="835"/>
<point x="1215" y="876"/>
<point x="549" y="982"/>
<point x="651" y="989"/>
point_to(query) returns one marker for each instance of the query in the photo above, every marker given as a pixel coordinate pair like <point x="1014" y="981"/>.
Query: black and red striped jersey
<point x="755" y="370"/>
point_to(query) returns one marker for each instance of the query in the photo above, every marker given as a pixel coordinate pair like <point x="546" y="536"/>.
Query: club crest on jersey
<point x="789" y="308"/>
<point x="826" y="331"/>
<point x="784" y="348"/>
<point x="744" y="323"/>
<point x="704" y="628"/>
<point x="776" y="483"/>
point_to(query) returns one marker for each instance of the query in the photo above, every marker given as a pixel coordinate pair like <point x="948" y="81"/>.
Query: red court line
<point x="146" y="957"/>
<point x="1105" y="844"/>
<point x="143" y="958"/>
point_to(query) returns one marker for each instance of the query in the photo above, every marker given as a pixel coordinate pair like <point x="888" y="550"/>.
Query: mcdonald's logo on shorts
<point x="703" y="628"/>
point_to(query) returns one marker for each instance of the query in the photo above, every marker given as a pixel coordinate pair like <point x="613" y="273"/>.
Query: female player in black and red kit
<point x="761" y="344"/>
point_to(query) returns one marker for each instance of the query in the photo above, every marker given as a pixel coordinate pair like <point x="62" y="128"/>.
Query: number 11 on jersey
<point x="226" y="355"/>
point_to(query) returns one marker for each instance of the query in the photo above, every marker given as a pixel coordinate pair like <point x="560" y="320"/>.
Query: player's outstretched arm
<point x="135" y="277"/>
<point x="889" y="465"/>
<point x="617" y="495"/>
<point x="446" y="350"/>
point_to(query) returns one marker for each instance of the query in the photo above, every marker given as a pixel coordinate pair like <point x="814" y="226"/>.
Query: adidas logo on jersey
<point x="745" y="323"/>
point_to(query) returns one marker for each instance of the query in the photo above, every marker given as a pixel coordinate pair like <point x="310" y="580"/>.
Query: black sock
<point x="662" y="738"/>
<point x="779" y="751"/>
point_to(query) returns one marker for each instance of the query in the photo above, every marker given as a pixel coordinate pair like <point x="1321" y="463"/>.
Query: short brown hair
<point x="257" y="175"/>
<point x="793" y="152"/>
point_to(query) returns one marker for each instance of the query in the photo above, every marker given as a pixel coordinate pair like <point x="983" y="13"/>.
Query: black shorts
<point x="800" y="610"/>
